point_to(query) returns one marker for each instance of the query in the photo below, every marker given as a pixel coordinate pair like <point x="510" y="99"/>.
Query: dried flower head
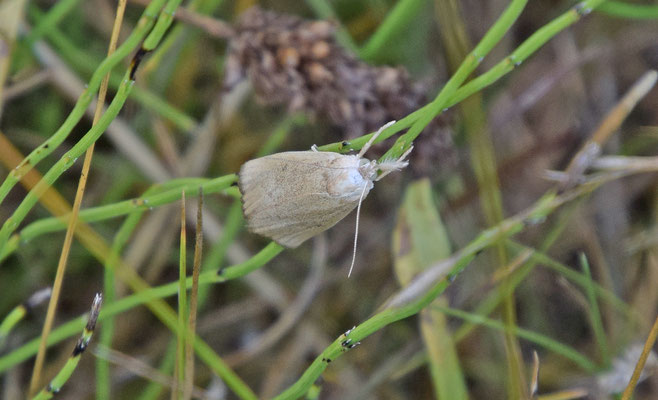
<point x="297" y="63"/>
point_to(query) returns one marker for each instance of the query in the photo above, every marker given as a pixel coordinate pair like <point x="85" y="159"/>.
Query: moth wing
<point x="270" y="181"/>
<point x="285" y="196"/>
<point x="293" y="233"/>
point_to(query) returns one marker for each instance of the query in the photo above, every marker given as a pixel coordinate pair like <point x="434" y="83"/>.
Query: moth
<point x="292" y="196"/>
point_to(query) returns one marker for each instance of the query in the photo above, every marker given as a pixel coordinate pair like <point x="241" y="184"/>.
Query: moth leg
<point x="315" y="148"/>
<point x="389" y="166"/>
<point x="373" y="138"/>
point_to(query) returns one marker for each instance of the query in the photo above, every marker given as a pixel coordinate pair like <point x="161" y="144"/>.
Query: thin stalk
<point x="396" y="21"/>
<point x="595" y="314"/>
<point x="428" y="285"/>
<point x="127" y="303"/>
<point x="179" y="371"/>
<point x="533" y="337"/>
<point x="19" y="312"/>
<point x="46" y="148"/>
<point x="525" y="50"/>
<point x="518" y="56"/>
<point x="103" y="387"/>
<point x="637" y="372"/>
<point x="191" y="329"/>
<point x="50" y="20"/>
<point x="623" y="9"/>
<point x="474" y="58"/>
<point x="65" y="373"/>
<point x="95" y="214"/>
<point x="84" y="62"/>
<point x="73" y="219"/>
<point x="65" y="162"/>
<point x="111" y="263"/>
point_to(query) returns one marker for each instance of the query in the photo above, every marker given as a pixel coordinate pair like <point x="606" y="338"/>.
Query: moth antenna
<point x="373" y="138"/>
<point x="356" y="229"/>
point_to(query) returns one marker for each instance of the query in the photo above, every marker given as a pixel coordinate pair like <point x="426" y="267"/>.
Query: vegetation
<point x="515" y="257"/>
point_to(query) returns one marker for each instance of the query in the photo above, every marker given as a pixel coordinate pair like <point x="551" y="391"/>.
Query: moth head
<point x="368" y="169"/>
<point x="348" y="177"/>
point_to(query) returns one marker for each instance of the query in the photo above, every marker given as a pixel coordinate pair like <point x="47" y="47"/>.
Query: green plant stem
<point x="153" y="389"/>
<point x="534" y="337"/>
<point x="166" y="315"/>
<point x="525" y="50"/>
<point x="629" y="10"/>
<point x="234" y="221"/>
<point x="65" y="162"/>
<point x="214" y="259"/>
<point x="483" y="163"/>
<point x="163" y="23"/>
<point x="174" y="46"/>
<point x="492" y="300"/>
<point x="103" y="387"/>
<point x="141" y="30"/>
<point x="174" y="35"/>
<point x="68" y="329"/>
<point x="402" y="14"/>
<point x="67" y="370"/>
<point x="417" y="120"/>
<point x="84" y="62"/>
<point x="14" y="317"/>
<point x="429" y="284"/>
<point x="50" y="20"/>
<point x="160" y="309"/>
<point x="409" y="301"/>
<point x="181" y="332"/>
<point x="423" y="289"/>
<point x="20" y="311"/>
<point x="125" y="207"/>
<point x="576" y="277"/>
<point x="595" y="314"/>
<point x="490" y="39"/>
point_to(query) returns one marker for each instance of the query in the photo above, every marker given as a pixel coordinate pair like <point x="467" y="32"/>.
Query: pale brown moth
<point x="292" y="196"/>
